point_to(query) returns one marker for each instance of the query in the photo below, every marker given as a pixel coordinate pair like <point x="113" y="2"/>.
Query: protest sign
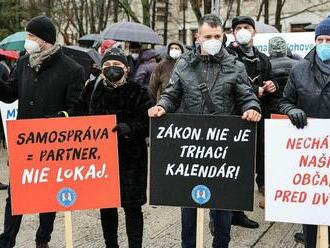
<point x="202" y="161"/>
<point x="63" y="164"/>
<point x="9" y="111"/>
<point x="300" y="43"/>
<point x="297" y="166"/>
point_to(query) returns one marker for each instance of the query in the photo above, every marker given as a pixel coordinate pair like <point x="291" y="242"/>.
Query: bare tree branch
<point x="304" y="10"/>
<point x="127" y="8"/>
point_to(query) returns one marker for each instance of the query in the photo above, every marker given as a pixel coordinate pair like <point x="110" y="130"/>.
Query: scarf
<point x="36" y="59"/>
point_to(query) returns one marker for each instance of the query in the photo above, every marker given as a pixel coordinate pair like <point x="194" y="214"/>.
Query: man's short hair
<point x="211" y="19"/>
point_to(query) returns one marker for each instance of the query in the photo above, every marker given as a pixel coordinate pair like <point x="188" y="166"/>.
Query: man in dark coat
<point x="162" y="73"/>
<point x="44" y="81"/>
<point x="111" y="93"/>
<point x="281" y="63"/>
<point x="227" y="85"/>
<point x="259" y="71"/>
<point x="307" y="94"/>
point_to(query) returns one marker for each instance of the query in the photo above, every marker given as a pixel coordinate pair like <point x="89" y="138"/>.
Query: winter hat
<point x="115" y="53"/>
<point x="242" y="19"/>
<point x="277" y="47"/>
<point x="106" y="44"/>
<point x="323" y="28"/>
<point x="43" y="28"/>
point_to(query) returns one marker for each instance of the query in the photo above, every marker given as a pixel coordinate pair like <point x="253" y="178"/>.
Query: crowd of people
<point x="135" y="84"/>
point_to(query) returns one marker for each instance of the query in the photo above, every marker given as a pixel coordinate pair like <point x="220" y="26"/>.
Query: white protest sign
<point x="297" y="172"/>
<point x="8" y="112"/>
<point x="299" y="43"/>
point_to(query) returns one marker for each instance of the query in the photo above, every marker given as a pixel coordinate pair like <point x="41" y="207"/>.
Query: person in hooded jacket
<point x="145" y="66"/>
<point x="111" y="93"/>
<point x="162" y="73"/>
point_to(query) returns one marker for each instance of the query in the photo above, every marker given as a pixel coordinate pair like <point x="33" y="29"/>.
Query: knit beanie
<point x="242" y="19"/>
<point x="43" y="28"/>
<point x="277" y="47"/>
<point x="323" y="28"/>
<point x="115" y="53"/>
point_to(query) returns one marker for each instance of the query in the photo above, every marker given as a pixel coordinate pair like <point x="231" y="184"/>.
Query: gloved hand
<point x="122" y="129"/>
<point x="297" y="117"/>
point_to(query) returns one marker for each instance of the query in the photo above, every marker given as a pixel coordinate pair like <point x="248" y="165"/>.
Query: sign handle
<point x="200" y="228"/>
<point x="322" y="237"/>
<point x="68" y="229"/>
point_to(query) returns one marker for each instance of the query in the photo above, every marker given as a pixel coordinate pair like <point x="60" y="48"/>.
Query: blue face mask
<point x="323" y="51"/>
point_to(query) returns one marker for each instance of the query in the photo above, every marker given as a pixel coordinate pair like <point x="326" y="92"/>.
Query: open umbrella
<point x="265" y="28"/>
<point x="89" y="39"/>
<point x="310" y="27"/>
<point x="14" y="42"/>
<point x="11" y="55"/>
<point x="131" y="31"/>
<point x="84" y="56"/>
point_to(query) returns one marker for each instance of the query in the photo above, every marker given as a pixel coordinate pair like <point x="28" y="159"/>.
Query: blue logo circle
<point x="66" y="197"/>
<point x="201" y="194"/>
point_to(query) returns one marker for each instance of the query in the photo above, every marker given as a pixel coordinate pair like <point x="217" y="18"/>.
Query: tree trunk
<point x="207" y="6"/>
<point x="165" y="22"/>
<point x="196" y="9"/>
<point x="146" y="12"/>
<point x="266" y="14"/>
<point x="260" y="10"/>
<point x="153" y="17"/>
<point x="115" y="10"/>
<point x="279" y="6"/>
<point x="238" y="8"/>
<point x="229" y="9"/>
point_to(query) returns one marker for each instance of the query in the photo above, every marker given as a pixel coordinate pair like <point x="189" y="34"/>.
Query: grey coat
<point x="226" y="79"/>
<point x="308" y="88"/>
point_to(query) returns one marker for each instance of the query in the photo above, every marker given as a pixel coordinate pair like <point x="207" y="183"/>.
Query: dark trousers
<point x="134" y="226"/>
<point x="310" y="234"/>
<point x="222" y="224"/>
<point x="260" y="154"/>
<point x="12" y="224"/>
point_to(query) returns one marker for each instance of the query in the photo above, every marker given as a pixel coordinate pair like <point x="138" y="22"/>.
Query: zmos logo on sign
<point x="201" y="194"/>
<point x="66" y="197"/>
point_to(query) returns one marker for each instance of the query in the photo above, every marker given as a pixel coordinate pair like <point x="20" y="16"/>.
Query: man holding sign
<point x="307" y="93"/>
<point x="208" y="81"/>
<point x="44" y="81"/>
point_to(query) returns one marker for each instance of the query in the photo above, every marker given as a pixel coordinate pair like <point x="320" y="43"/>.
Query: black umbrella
<point x="131" y="31"/>
<point x="88" y="40"/>
<point x="86" y="57"/>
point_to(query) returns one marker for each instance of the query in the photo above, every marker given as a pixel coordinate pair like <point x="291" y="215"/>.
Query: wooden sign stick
<point x="200" y="228"/>
<point x="322" y="237"/>
<point x="68" y="229"/>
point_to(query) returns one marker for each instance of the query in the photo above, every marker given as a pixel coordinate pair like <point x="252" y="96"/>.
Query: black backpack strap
<point x="206" y="93"/>
<point x="207" y="97"/>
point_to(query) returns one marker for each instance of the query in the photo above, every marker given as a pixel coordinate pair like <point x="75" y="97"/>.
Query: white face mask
<point x="31" y="46"/>
<point x="175" y="53"/>
<point x="212" y="46"/>
<point x="243" y="36"/>
<point x="135" y="55"/>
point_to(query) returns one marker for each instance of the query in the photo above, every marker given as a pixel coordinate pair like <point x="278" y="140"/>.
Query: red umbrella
<point x="12" y="55"/>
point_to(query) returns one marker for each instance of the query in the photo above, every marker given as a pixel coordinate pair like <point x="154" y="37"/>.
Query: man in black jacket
<point x="307" y="93"/>
<point x="281" y="63"/>
<point x="259" y="70"/>
<point x="227" y="85"/>
<point x="45" y="81"/>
